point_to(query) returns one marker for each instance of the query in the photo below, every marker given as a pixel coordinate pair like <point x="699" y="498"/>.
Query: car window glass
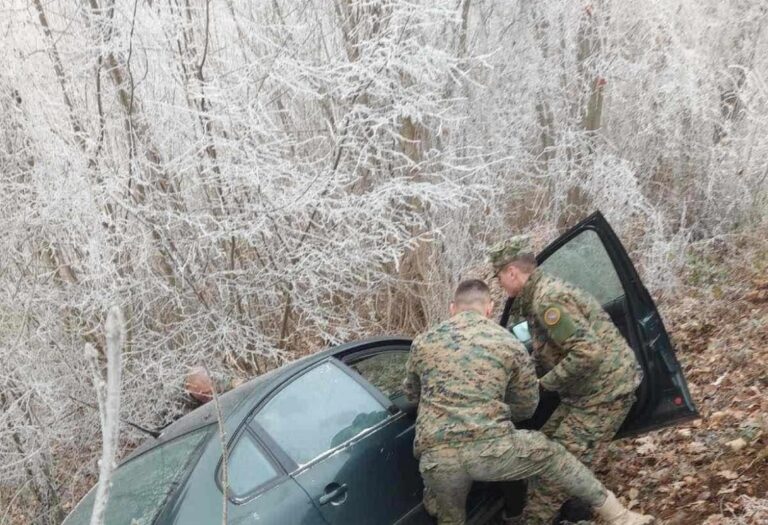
<point x="385" y="371"/>
<point x="248" y="467"/>
<point x="321" y="409"/>
<point x="140" y="486"/>
<point x="584" y="262"/>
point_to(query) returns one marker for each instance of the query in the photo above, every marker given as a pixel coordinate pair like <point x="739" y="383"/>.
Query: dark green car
<point x="327" y="440"/>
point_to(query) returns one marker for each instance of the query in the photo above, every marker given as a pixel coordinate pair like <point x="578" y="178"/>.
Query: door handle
<point x="335" y="494"/>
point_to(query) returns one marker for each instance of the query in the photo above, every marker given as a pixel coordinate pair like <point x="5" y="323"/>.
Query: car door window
<point x="318" y="411"/>
<point x="249" y="467"/>
<point x="585" y="263"/>
<point x="385" y="371"/>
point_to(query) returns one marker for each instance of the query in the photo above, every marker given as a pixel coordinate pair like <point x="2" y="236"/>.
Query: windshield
<point x="141" y="486"/>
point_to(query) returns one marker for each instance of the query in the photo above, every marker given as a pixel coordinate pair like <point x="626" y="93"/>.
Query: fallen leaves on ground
<point x="714" y="470"/>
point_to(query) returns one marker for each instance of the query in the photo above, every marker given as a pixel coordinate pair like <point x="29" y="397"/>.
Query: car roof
<point x="231" y="403"/>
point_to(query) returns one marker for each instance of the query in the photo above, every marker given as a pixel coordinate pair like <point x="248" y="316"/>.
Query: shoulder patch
<point x="557" y="322"/>
<point x="552" y="316"/>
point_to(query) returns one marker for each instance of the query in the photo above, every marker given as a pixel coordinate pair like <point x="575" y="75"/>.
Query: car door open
<point x="591" y="257"/>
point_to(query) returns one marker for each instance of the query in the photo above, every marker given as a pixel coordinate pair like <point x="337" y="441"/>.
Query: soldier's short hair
<point x="471" y="291"/>
<point x="525" y="261"/>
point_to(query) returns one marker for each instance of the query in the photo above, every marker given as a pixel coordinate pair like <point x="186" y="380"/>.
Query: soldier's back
<point x="464" y="365"/>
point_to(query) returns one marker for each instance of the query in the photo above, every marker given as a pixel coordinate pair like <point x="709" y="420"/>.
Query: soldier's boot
<point x="575" y="510"/>
<point x="614" y="513"/>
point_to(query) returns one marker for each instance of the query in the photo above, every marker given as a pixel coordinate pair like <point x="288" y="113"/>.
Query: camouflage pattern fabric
<point x="582" y="354"/>
<point x="450" y="470"/>
<point x="504" y="252"/>
<point x="581" y="431"/>
<point x="471" y="378"/>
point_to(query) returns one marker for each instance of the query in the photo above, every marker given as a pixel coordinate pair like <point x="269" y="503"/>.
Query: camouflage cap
<point x="504" y="252"/>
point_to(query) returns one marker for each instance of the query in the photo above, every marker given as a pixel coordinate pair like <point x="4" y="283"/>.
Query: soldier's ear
<point x="489" y="309"/>
<point x="452" y="309"/>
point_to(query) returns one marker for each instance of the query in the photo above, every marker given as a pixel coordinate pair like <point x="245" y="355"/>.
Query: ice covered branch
<point x="109" y="408"/>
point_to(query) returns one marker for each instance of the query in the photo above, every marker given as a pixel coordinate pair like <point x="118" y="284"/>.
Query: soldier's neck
<point x="526" y="294"/>
<point x="468" y="312"/>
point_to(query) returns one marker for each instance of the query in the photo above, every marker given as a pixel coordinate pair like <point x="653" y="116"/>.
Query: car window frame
<point x="546" y="256"/>
<point x="618" y="266"/>
<point x="280" y="476"/>
<point x="289" y="464"/>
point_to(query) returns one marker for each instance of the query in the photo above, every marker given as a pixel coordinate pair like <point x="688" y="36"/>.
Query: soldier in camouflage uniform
<point x="581" y="354"/>
<point x="472" y="378"/>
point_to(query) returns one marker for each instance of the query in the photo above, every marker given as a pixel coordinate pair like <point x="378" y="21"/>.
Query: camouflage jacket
<point x="576" y="346"/>
<point x="471" y="378"/>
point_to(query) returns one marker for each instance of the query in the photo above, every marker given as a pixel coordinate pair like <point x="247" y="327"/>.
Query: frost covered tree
<point x="250" y="181"/>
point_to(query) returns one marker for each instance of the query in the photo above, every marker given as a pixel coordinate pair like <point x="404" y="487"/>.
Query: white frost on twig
<point x="252" y="181"/>
<point x="109" y="408"/>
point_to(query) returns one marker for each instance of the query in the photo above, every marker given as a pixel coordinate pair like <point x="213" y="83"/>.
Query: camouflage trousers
<point x="580" y="431"/>
<point x="450" y="470"/>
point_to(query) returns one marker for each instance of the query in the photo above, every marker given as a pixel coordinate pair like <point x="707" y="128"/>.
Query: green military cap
<point x="504" y="252"/>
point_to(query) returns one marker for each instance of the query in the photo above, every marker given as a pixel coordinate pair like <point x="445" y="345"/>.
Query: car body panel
<point x="200" y="500"/>
<point x="376" y="464"/>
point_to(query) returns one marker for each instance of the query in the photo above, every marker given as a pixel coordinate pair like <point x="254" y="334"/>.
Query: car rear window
<point x="141" y="486"/>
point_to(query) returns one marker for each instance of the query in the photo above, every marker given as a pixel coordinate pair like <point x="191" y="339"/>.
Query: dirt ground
<point x="712" y="471"/>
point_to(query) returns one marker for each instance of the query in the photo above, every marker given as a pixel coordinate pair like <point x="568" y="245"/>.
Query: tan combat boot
<point x="614" y="513"/>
